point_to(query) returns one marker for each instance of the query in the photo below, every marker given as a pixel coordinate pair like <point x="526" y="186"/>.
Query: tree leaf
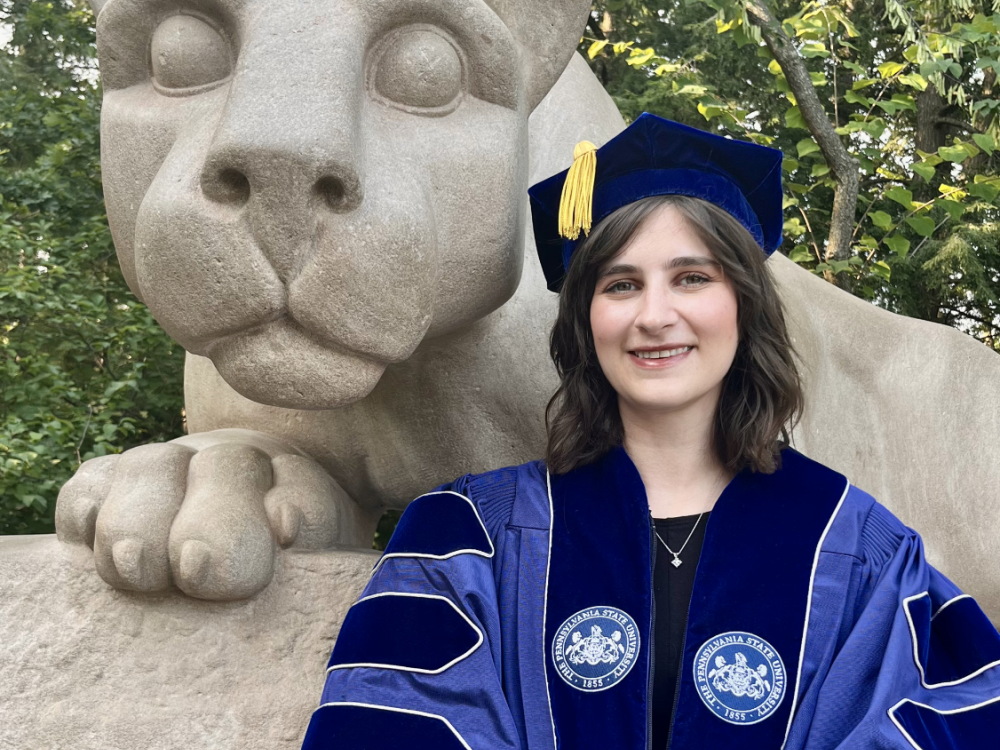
<point x="638" y="57"/>
<point x="985" y="142"/>
<point x="924" y="170"/>
<point x="855" y="98"/>
<point x="793" y="119"/>
<point x="840" y="266"/>
<point x="800" y="254"/>
<point x="814" y="49"/>
<point x="594" y="49"/>
<point x="955" y="154"/>
<point x="985" y="190"/>
<point x="914" y="80"/>
<point x="806" y="146"/>
<point x="890" y="68"/>
<point x="922" y="225"/>
<point x="898" y="245"/>
<point x="881" y="219"/>
<point x="954" y="208"/>
<point x="900" y="195"/>
<point x="882" y="269"/>
<point x="863" y="83"/>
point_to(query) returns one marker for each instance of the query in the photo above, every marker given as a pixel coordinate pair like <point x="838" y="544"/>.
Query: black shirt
<point x="671" y="596"/>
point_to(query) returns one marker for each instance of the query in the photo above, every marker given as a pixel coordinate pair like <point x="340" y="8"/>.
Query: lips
<point x="658" y="358"/>
<point x="661" y="353"/>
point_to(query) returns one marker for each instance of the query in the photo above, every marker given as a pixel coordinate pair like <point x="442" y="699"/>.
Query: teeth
<point x="663" y="354"/>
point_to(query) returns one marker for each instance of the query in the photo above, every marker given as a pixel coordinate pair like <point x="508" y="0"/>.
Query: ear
<point x="96" y="5"/>
<point x="548" y="31"/>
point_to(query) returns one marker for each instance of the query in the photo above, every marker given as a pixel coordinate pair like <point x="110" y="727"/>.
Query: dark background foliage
<point x="84" y="369"/>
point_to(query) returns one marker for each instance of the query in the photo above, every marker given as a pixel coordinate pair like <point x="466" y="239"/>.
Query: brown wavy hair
<point x="761" y="397"/>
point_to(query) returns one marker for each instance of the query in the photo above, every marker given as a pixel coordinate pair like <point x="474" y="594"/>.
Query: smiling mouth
<point x="661" y="353"/>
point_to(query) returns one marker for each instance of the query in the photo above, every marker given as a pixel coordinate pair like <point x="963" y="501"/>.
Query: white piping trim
<point x="892" y="716"/>
<point x="805" y="629"/>
<point x="949" y="602"/>
<point x="545" y="609"/>
<point x="449" y="555"/>
<point x="450" y="664"/>
<point x="402" y="711"/>
<point x="916" y="656"/>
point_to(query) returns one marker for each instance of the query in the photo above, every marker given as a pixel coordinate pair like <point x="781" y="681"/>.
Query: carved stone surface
<point x="87" y="667"/>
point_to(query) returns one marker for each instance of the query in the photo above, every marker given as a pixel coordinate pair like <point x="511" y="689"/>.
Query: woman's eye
<point x="419" y="69"/>
<point x="620" y="287"/>
<point x="188" y="55"/>
<point x="694" y="279"/>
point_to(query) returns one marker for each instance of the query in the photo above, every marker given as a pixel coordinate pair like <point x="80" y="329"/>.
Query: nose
<point x="238" y="169"/>
<point x="657" y="310"/>
<point x="287" y="146"/>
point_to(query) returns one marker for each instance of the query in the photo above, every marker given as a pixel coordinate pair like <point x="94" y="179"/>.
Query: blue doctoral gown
<point x="514" y="609"/>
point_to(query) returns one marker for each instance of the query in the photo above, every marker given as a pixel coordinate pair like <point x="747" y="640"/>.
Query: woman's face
<point x="664" y="321"/>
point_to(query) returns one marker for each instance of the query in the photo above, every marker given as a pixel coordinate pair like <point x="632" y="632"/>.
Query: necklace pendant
<point x="676" y="562"/>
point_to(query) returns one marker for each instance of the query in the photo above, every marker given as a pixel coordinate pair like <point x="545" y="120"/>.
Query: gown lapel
<point x="747" y="614"/>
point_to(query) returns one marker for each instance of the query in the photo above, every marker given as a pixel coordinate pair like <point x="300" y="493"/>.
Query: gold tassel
<point x="576" y="203"/>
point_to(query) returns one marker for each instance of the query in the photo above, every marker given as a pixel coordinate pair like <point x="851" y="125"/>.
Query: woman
<point x="672" y="574"/>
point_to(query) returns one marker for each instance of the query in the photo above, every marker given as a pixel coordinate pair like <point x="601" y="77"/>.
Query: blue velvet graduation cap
<point x="654" y="156"/>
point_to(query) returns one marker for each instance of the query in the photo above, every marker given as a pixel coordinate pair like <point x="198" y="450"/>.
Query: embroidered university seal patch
<point x="740" y="677"/>
<point x="595" y="648"/>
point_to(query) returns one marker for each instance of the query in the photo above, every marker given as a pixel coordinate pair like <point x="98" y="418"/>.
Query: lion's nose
<point x="229" y="179"/>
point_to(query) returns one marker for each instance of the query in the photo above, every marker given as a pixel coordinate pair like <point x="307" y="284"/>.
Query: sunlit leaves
<point x="890" y="68"/>
<point x="595" y="48"/>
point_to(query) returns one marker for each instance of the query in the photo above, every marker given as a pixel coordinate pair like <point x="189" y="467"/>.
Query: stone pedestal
<point x="86" y="667"/>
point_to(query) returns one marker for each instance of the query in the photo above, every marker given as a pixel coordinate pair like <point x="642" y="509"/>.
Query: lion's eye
<point x="419" y="69"/>
<point x="188" y="55"/>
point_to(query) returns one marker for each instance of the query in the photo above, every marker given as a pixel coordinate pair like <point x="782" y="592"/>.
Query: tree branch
<point x="843" y="166"/>
<point x="595" y="27"/>
<point x="955" y="124"/>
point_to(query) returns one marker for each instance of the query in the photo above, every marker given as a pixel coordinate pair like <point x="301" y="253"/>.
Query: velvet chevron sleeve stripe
<point x="338" y="726"/>
<point x="418" y="660"/>
<point x="438" y="634"/>
<point x="440" y="525"/>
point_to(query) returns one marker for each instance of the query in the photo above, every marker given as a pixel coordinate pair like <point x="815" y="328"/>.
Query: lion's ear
<point x="549" y="31"/>
<point x="96" y="5"/>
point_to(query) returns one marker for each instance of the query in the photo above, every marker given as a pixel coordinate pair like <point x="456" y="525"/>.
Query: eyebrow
<point x="684" y="261"/>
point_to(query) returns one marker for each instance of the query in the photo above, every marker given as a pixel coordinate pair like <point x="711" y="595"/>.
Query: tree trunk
<point x="843" y="166"/>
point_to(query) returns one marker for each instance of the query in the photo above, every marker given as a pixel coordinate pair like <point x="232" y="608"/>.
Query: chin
<point x="661" y="400"/>
<point x="280" y="365"/>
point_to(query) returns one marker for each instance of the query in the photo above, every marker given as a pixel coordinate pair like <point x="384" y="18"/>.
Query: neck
<point x="675" y="456"/>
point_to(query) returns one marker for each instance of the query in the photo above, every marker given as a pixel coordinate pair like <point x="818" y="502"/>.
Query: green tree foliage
<point x="911" y="88"/>
<point x="84" y="369"/>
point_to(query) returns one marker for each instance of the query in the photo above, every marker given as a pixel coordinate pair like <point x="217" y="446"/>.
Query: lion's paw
<point x="206" y="513"/>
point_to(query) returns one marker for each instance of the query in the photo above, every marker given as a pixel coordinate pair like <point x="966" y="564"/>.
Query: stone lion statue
<point x="324" y="202"/>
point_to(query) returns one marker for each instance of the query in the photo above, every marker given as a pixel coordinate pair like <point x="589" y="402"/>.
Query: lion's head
<point x="304" y="191"/>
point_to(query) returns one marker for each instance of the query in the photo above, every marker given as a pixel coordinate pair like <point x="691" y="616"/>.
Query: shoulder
<point x="513" y="495"/>
<point x="468" y="514"/>
<point x="860" y="526"/>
